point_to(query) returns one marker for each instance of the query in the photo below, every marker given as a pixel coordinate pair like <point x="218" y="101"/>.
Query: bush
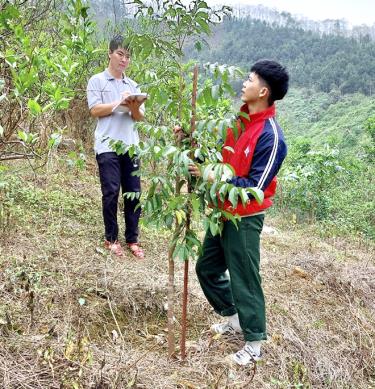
<point x="328" y="186"/>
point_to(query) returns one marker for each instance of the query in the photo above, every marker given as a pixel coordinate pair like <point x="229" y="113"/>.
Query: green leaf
<point x="244" y="115"/>
<point x="169" y="150"/>
<point x="207" y="96"/>
<point x="195" y="203"/>
<point x="203" y="4"/>
<point x="234" y="219"/>
<point x="214" y="229"/>
<point x="213" y="190"/>
<point x="210" y="124"/>
<point x="257" y="193"/>
<point x="193" y="239"/>
<point x="81" y="301"/>
<point x="233" y="196"/>
<point x="7" y="14"/>
<point x="180" y="252"/>
<point x="22" y="135"/>
<point x="207" y="171"/>
<point x="228" y="171"/>
<point x="156" y="150"/>
<point x="230" y="149"/>
<point x="84" y="13"/>
<point x="244" y="196"/>
<point x="203" y="25"/>
<point x="223" y="191"/>
<point x="34" y="107"/>
<point x="54" y="140"/>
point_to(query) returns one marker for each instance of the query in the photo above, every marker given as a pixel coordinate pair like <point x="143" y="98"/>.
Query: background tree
<point x="315" y="60"/>
<point x="43" y="66"/>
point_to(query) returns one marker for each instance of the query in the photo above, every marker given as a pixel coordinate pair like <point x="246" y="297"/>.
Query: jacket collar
<point x="263" y="115"/>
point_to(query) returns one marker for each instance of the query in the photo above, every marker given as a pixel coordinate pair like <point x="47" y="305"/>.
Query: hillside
<point x="328" y="26"/>
<point x="327" y="117"/>
<point x="322" y="62"/>
<point x="72" y="316"/>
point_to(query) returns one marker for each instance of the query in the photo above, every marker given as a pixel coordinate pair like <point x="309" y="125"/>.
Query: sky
<point x="356" y="12"/>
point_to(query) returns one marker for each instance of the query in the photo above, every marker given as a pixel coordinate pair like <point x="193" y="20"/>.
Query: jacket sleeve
<point x="269" y="154"/>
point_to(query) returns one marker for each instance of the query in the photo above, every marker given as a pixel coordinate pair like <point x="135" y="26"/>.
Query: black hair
<point x="275" y="76"/>
<point x="116" y="42"/>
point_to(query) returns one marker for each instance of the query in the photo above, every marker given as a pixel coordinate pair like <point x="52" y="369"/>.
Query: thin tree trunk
<point x="184" y="310"/>
<point x="171" y="334"/>
<point x="188" y="221"/>
<point x="170" y="294"/>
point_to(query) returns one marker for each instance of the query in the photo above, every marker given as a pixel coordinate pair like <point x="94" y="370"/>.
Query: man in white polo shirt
<point x="104" y="92"/>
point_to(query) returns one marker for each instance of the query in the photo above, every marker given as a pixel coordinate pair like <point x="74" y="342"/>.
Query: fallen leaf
<point x="298" y="271"/>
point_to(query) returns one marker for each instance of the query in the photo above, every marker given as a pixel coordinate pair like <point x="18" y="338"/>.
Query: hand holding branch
<point x="195" y="171"/>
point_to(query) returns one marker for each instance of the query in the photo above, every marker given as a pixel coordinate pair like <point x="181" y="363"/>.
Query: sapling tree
<point x="173" y="200"/>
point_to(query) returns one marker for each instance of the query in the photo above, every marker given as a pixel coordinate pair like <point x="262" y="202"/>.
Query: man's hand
<point x="124" y="95"/>
<point x="133" y="105"/>
<point x="179" y="133"/>
<point x="195" y="171"/>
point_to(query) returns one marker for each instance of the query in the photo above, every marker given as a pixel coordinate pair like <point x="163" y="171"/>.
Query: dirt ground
<point x="73" y="316"/>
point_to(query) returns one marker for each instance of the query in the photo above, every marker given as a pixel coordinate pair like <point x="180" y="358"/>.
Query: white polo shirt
<point x="103" y="88"/>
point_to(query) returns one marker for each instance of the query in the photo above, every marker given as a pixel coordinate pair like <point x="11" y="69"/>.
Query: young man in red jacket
<point x="258" y="154"/>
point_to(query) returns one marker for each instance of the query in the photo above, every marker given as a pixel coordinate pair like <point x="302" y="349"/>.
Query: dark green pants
<point x="237" y="251"/>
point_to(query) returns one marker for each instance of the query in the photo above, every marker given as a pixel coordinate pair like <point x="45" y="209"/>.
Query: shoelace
<point x="228" y="327"/>
<point x="224" y="327"/>
<point x="246" y="350"/>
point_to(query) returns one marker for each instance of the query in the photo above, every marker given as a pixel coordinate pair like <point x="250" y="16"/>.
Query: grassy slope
<point x="320" y="302"/>
<point x="321" y="115"/>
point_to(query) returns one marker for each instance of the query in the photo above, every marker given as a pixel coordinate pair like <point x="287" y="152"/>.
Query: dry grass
<point x="72" y="316"/>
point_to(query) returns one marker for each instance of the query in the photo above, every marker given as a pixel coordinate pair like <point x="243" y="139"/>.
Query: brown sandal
<point x="114" y="247"/>
<point x="136" y="250"/>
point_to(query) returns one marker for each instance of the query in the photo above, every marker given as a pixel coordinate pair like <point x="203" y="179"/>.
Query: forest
<point x="324" y="62"/>
<point x="72" y="315"/>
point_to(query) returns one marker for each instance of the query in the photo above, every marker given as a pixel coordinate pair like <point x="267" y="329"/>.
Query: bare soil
<point x="74" y="316"/>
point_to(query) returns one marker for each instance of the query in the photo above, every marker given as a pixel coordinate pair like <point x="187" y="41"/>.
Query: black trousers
<point x="117" y="171"/>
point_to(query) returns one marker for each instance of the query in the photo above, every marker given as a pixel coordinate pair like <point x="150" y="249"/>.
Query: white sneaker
<point x="231" y="326"/>
<point x="246" y="355"/>
<point x="223" y="328"/>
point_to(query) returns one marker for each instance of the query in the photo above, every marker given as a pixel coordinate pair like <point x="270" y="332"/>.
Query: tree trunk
<point x="171" y="334"/>
<point x="188" y="221"/>
<point x="184" y="311"/>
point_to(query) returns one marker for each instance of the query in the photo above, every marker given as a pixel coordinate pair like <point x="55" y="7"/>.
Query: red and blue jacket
<point x="259" y="151"/>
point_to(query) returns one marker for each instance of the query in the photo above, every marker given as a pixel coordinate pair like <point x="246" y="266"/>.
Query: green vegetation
<point x="328" y="174"/>
<point x="72" y="315"/>
<point x="321" y="62"/>
<point x="330" y="134"/>
<point x="339" y="120"/>
<point x="328" y="186"/>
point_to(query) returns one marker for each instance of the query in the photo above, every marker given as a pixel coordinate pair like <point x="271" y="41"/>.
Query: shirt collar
<point x="109" y="77"/>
